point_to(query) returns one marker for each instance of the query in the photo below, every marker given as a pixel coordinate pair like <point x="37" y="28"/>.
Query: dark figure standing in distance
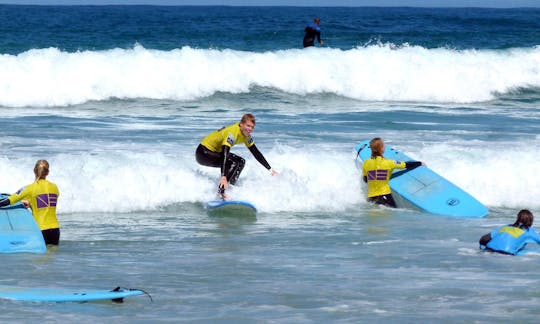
<point x="313" y="30"/>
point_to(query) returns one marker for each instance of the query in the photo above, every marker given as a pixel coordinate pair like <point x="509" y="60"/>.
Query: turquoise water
<point x="118" y="104"/>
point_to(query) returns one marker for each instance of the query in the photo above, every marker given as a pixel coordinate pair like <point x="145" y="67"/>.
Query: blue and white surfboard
<point x="19" y="231"/>
<point x="423" y="189"/>
<point x="230" y="208"/>
<point x="65" y="295"/>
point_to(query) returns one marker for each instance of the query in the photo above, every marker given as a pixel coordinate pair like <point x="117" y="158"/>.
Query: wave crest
<point x="380" y="72"/>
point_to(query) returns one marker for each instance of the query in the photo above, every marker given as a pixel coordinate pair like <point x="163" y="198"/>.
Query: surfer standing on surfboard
<point x="214" y="151"/>
<point x="377" y="170"/>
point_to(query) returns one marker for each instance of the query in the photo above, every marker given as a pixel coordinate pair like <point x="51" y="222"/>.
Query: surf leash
<point x="121" y="299"/>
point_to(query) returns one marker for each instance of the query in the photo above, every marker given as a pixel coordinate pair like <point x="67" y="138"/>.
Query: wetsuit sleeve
<point x="412" y="164"/>
<point x="4" y="202"/>
<point x="226" y="149"/>
<point x="484" y="240"/>
<point x="533" y="233"/>
<point x="258" y="155"/>
<point x="319" y="36"/>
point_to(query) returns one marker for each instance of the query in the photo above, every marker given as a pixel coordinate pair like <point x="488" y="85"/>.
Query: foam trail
<point x="50" y="77"/>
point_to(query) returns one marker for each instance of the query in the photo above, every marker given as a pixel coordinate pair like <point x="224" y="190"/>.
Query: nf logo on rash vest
<point x="46" y="200"/>
<point x="230" y="139"/>
<point x="377" y="174"/>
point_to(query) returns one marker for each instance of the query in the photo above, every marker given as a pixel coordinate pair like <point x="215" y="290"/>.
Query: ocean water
<point x="117" y="98"/>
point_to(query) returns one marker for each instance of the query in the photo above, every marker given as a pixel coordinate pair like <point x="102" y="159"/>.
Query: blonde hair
<point x="377" y="147"/>
<point x="41" y="169"/>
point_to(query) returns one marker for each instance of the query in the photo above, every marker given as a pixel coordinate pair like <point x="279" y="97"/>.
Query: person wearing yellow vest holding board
<point x="41" y="197"/>
<point x="377" y="171"/>
<point x="214" y="151"/>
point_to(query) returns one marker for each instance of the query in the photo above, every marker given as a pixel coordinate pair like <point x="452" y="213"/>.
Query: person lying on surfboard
<point x="377" y="170"/>
<point x="510" y="239"/>
<point x="214" y="151"/>
<point x="41" y="196"/>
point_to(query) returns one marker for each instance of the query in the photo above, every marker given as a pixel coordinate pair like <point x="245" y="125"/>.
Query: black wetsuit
<point x="312" y="30"/>
<point x="231" y="164"/>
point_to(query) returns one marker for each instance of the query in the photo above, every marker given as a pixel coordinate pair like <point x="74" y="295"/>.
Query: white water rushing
<point x="315" y="179"/>
<point x="51" y="77"/>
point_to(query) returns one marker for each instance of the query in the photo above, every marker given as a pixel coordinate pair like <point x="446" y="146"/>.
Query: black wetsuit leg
<point x="51" y="236"/>
<point x="386" y="200"/>
<point x="208" y="158"/>
<point x="233" y="167"/>
<point x="309" y="41"/>
<point x="309" y="38"/>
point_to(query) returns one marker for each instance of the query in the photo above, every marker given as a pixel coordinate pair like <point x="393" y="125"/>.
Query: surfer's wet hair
<point x="41" y="169"/>
<point x="377" y="147"/>
<point x="524" y="219"/>
<point x="247" y="117"/>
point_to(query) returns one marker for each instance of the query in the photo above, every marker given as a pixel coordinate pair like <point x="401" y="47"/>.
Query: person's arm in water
<point x="534" y="235"/>
<point x="260" y="157"/>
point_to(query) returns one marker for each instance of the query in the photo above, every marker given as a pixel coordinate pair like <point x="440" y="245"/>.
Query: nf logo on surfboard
<point x="452" y="202"/>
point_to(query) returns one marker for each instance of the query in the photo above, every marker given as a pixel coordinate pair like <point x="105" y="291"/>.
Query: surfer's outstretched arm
<point x="260" y="157"/>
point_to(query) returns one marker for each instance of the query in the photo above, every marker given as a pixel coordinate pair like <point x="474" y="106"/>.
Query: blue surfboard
<point x="19" y="231"/>
<point x="66" y="295"/>
<point x="423" y="189"/>
<point x="230" y="208"/>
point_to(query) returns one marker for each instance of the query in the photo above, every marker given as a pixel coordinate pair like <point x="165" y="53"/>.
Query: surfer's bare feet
<point x="224" y="196"/>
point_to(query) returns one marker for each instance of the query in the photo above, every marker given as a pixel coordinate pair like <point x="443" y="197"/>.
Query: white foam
<point x="314" y="179"/>
<point x="50" y="77"/>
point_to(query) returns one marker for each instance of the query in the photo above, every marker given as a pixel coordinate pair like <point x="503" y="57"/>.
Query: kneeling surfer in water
<point x="214" y="151"/>
<point x="377" y="171"/>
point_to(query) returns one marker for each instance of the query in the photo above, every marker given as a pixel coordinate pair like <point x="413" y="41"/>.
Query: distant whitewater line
<point x="50" y="77"/>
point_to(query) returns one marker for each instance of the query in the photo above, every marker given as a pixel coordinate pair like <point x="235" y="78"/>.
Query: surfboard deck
<point x="423" y="189"/>
<point x="237" y="208"/>
<point x="65" y="295"/>
<point x="19" y="231"/>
